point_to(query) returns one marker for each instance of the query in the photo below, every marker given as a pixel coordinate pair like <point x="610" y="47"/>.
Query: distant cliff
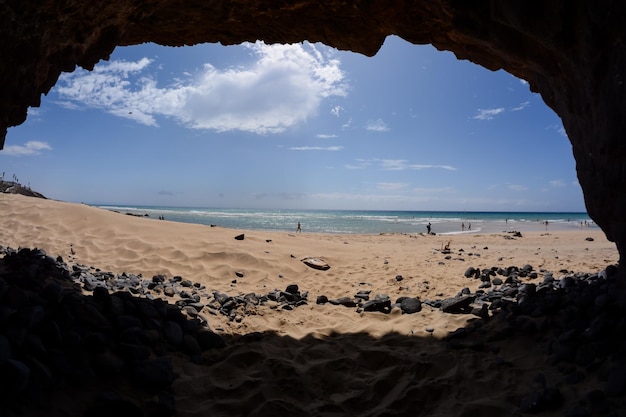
<point x="10" y="187"/>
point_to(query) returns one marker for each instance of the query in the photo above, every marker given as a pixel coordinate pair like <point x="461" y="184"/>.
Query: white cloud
<point x="521" y="106"/>
<point x="361" y="164"/>
<point x="325" y="136"/>
<point x="33" y="112"/>
<point x="283" y="87"/>
<point x="488" y="114"/>
<point x="418" y="167"/>
<point x="557" y="183"/>
<point x="393" y="164"/>
<point x="377" y="125"/>
<point x="391" y="186"/>
<point x="317" y="148"/>
<point x="558" y="128"/>
<point x="32" y="147"/>
<point x="399" y="165"/>
<point x="336" y="110"/>
<point x="517" y="187"/>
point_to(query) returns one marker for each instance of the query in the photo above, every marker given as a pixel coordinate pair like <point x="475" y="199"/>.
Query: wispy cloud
<point x="360" y="164"/>
<point x="283" y="87"/>
<point x="521" y="106"/>
<point x="325" y="136"/>
<point x="396" y="165"/>
<point x="557" y="183"/>
<point x="317" y="148"/>
<point x="377" y="125"/>
<point x="488" y="114"/>
<point x="418" y="167"/>
<point x="558" y="128"/>
<point x="391" y="186"/>
<point x="392" y="164"/>
<point x="517" y="187"/>
<point x="32" y="147"/>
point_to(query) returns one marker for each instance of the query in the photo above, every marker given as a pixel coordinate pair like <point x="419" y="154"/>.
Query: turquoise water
<point x="357" y="221"/>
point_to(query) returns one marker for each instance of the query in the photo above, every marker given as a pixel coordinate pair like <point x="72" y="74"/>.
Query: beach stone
<point x="458" y="305"/>
<point x="240" y="237"/>
<point x="344" y="301"/>
<point x="292" y="289"/>
<point x="190" y="311"/>
<point x="159" y="279"/>
<point x="321" y="299"/>
<point x="380" y="305"/>
<point x="411" y="305"/>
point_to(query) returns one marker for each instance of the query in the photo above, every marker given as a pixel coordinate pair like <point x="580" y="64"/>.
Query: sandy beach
<point x="325" y="359"/>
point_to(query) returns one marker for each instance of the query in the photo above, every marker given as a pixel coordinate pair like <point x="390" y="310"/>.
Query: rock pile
<point x="380" y="303"/>
<point x="52" y="336"/>
<point x="579" y="319"/>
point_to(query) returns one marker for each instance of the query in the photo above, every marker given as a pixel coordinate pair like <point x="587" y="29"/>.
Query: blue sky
<point x="295" y="126"/>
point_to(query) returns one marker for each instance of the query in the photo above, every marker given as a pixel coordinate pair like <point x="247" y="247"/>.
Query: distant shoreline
<point x="369" y="222"/>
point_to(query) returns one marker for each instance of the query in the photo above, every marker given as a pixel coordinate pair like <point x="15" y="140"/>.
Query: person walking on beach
<point x="428" y="228"/>
<point x="299" y="229"/>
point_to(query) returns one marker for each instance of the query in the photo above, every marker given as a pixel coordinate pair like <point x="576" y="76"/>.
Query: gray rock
<point x="457" y="305"/>
<point x="411" y="305"/>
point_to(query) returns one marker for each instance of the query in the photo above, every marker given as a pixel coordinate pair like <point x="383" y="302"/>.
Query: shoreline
<point x="351" y="221"/>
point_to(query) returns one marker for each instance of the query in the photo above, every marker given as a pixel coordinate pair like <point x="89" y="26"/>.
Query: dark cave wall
<point x="570" y="51"/>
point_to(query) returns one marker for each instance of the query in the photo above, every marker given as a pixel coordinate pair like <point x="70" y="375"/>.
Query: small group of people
<point x="469" y="226"/>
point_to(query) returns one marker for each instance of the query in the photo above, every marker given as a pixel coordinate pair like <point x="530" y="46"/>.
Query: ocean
<point x="362" y="221"/>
